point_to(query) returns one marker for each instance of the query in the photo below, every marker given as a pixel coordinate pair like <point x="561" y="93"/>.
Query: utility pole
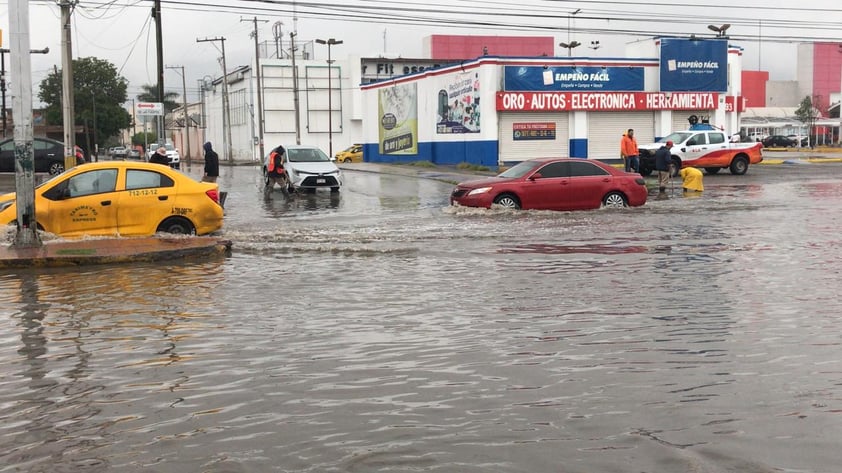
<point x="21" y="64"/>
<point x="259" y="89"/>
<point x="186" y="117"/>
<point x="226" y="111"/>
<point x="330" y="42"/>
<point x="295" y="88"/>
<point x="156" y="14"/>
<point x="67" y="96"/>
<point x="3" y="86"/>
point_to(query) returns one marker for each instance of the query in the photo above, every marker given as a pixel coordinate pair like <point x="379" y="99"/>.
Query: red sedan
<point x="554" y="184"/>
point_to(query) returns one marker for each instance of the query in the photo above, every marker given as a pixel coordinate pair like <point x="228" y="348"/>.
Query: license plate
<point x="320" y="181"/>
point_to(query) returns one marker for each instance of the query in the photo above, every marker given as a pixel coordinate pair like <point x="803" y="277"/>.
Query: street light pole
<point x="330" y="42"/>
<point x="186" y="116"/>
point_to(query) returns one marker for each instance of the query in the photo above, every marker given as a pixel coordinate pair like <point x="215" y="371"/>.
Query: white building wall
<point x="279" y="107"/>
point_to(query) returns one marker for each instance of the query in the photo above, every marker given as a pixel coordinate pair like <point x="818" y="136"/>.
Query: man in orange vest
<point x="275" y="172"/>
<point x="629" y="152"/>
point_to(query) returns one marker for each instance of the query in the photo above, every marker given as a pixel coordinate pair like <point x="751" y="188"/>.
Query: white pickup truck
<point x="709" y="149"/>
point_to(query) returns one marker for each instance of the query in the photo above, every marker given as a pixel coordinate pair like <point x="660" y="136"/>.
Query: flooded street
<point x="380" y="330"/>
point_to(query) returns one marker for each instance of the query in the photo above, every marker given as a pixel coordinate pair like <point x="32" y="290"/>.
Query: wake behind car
<point x="308" y="168"/>
<point x="49" y="155"/>
<point x="122" y="198"/>
<point x="554" y="184"/>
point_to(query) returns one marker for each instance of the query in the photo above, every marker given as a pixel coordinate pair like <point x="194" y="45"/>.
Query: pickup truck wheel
<point x="739" y="165"/>
<point x="712" y="170"/>
<point x="645" y="170"/>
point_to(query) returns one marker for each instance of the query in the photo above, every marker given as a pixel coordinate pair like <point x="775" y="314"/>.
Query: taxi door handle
<point x="105" y="203"/>
<point x="163" y="197"/>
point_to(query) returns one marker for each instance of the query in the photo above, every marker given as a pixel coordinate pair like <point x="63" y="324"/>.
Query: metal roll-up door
<point x="679" y="118"/>
<point x="605" y="130"/>
<point x="513" y="150"/>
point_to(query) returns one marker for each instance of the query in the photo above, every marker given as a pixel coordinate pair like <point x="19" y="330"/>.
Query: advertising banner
<point x="398" y="107"/>
<point x="691" y="65"/>
<point x="631" y="101"/>
<point x="536" y="78"/>
<point x="458" y="105"/>
<point x="533" y="131"/>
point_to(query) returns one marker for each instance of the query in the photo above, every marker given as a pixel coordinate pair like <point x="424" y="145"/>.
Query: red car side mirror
<point x="537" y="175"/>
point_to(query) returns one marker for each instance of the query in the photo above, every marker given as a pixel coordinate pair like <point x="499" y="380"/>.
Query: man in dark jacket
<point x="211" y="164"/>
<point x="663" y="158"/>
<point x="160" y="157"/>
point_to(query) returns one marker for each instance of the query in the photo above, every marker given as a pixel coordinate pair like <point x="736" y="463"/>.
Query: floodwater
<point x="382" y="331"/>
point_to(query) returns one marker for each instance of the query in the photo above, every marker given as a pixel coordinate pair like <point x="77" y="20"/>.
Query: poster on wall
<point x="533" y="131"/>
<point x="690" y="65"/>
<point x="398" y="107"/>
<point x="458" y="105"/>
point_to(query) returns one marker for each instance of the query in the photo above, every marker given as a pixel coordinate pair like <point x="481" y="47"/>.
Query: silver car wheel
<point x="614" y="200"/>
<point x="508" y="201"/>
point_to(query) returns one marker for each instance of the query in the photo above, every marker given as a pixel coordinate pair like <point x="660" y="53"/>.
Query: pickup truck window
<point x="697" y="139"/>
<point x="716" y="138"/>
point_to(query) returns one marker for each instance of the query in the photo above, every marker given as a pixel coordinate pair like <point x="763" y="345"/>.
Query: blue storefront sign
<point x="567" y="78"/>
<point x="693" y="65"/>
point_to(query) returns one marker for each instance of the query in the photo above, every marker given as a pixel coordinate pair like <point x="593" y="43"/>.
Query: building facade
<point x="498" y="110"/>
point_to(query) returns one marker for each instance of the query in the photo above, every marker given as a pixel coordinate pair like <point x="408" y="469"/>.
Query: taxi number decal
<point x="181" y="211"/>
<point x="143" y="192"/>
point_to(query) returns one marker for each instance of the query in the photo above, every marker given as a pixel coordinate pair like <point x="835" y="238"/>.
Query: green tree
<point x="807" y="114"/>
<point x="143" y="139"/>
<point x="98" y="94"/>
<point x="150" y="94"/>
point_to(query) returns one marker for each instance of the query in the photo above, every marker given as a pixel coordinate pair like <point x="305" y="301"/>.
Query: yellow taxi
<point x="122" y="198"/>
<point x="354" y="154"/>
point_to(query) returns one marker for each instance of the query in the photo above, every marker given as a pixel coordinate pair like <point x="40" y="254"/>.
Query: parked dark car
<point x="778" y="141"/>
<point x="49" y="156"/>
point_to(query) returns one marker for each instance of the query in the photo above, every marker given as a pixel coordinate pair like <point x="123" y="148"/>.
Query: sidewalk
<point x="111" y="250"/>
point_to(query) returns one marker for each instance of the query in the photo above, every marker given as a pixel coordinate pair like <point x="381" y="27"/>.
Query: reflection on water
<point x="686" y="335"/>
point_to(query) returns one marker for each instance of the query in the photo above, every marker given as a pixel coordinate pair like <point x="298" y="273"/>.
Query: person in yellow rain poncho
<point x="692" y="178"/>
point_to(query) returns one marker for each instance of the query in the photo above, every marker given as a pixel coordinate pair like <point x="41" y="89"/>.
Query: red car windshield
<point x="519" y="170"/>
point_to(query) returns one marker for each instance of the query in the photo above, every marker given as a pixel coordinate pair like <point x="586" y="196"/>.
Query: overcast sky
<point x="122" y="31"/>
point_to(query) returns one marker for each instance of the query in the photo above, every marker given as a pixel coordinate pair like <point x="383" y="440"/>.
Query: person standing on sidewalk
<point x="211" y="164"/>
<point x="663" y="159"/>
<point x="629" y="152"/>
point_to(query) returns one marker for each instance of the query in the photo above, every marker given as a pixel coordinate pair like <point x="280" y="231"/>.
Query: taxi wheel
<point x="56" y="169"/>
<point x="347" y="160"/>
<point x="177" y="225"/>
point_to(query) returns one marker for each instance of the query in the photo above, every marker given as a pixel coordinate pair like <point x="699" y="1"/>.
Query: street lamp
<point x="568" y="22"/>
<point x="330" y="42"/>
<point x="720" y="30"/>
<point x="570" y="47"/>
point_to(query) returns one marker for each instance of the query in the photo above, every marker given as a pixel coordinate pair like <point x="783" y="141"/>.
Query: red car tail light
<point x="213" y="194"/>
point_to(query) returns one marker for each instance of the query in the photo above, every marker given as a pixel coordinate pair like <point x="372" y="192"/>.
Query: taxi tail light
<point x="213" y="194"/>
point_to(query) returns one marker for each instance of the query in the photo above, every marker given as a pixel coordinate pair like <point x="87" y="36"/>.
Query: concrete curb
<point x="112" y="250"/>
